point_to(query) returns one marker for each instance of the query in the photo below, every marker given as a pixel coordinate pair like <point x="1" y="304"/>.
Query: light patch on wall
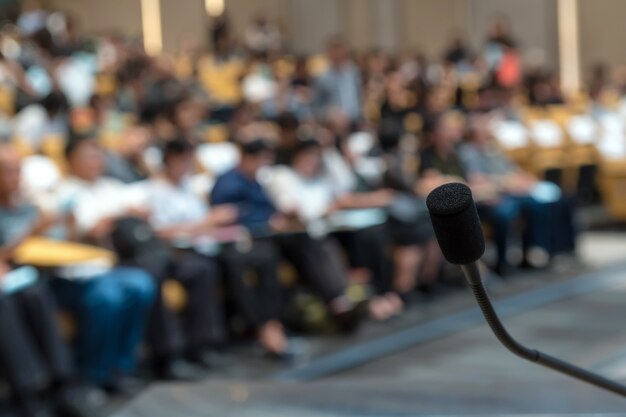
<point x="569" y="59"/>
<point x="151" y="25"/>
<point x="214" y="7"/>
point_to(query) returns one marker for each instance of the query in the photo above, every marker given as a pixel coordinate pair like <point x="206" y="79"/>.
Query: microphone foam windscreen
<point x="456" y="223"/>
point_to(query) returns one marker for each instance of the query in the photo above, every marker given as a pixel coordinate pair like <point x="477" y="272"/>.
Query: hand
<point x="281" y="223"/>
<point x="384" y="196"/>
<point x="222" y="215"/>
<point x="139" y="212"/>
<point x="424" y="186"/>
<point x="520" y="184"/>
<point x="102" y="228"/>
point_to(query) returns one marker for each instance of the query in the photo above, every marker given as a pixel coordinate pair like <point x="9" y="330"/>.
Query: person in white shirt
<point x="97" y="205"/>
<point x="181" y="216"/>
<point x="182" y="219"/>
<point x="309" y="191"/>
<point x="110" y="304"/>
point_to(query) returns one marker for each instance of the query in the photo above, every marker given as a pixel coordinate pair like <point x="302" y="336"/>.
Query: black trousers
<point x="252" y="275"/>
<point x="32" y="353"/>
<point x="203" y="321"/>
<point x="317" y="261"/>
<point x="368" y="248"/>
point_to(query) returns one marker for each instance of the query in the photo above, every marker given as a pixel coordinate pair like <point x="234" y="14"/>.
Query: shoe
<point x="503" y="270"/>
<point x="79" y="402"/>
<point x="350" y="320"/>
<point x="33" y="408"/>
<point x="124" y="385"/>
<point x="180" y="370"/>
<point x="211" y="359"/>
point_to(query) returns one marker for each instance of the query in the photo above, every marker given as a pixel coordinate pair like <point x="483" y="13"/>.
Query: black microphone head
<point x="456" y="223"/>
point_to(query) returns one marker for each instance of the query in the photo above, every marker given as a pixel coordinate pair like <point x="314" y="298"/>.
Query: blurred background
<point x="217" y="207"/>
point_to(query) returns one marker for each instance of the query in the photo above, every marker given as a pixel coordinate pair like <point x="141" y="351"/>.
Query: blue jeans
<point x="500" y="216"/>
<point x="549" y="225"/>
<point x="111" y="312"/>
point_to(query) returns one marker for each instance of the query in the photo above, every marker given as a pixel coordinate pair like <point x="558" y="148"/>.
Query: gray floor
<point x="462" y="371"/>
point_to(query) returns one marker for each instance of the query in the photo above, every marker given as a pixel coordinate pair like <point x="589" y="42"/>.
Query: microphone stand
<point x="472" y="274"/>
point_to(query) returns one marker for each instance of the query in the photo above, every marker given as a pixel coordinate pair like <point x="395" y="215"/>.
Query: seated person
<point x="440" y="163"/>
<point x="111" y="305"/>
<point x="549" y="216"/>
<point x="312" y="258"/>
<point x="180" y="215"/>
<point x="416" y="252"/>
<point x="33" y="356"/>
<point x="43" y="360"/>
<point x="305" y="190"/>
<point x="416" y="255"/>
<point x="98" y="206"/>
<point x="183" y="219"/>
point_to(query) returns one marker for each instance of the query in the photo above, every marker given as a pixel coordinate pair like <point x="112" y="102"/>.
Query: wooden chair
<point x="221" y="80"/>
<point x="216" y="133"/>
<point x="53" y="146"/>
<point x="612" y="182"/>
<point x="513" y="138"/>
<point x="548" y="146"/>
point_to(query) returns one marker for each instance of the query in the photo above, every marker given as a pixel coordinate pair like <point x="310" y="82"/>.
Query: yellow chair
<point x="612" y="182"/>
<point x="216" y="133"/>
<point x="22" y="147"/>
<point x="221" y="80"/>
<point x="174" y="295"/>
<point x="53" y="146"/>
<point x="317" y="64"/>
<point x="284" y="66"/>
<point x="48" y="253"/>
<point x="7" y="100"/>
<point x="106" y="84"/>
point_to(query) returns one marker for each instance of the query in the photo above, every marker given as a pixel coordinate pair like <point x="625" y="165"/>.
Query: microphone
<point x="459" y="233"/>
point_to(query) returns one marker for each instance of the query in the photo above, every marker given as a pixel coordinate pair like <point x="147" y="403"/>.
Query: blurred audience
<point x="220" y="170"/>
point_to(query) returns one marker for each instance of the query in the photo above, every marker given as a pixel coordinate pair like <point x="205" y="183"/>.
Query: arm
<point x="372" y="199"/>
<point x="39" y="225"/>
<point x="219" y="216"/>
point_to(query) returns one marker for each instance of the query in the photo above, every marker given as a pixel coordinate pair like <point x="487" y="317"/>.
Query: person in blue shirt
<point x="261" y="305"/>
<point x="316" y="260"/>
<point x="240" y="187"/>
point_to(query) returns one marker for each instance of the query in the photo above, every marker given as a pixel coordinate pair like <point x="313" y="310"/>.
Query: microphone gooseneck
<point x="459" y="233"/>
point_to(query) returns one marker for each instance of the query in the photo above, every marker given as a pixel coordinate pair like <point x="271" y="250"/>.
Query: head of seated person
<point x="443" y="132"/>
<point x="127" y="162"/>
<point x="187" y="113"/>
<point x="135" y="140"/>
<point x="479" y="134"/>
<point x="255" y="155"/>
<point x="85" y="157"/>
<point x="178" y="160"/>
<point x="338" y="52"/>
<point x="307" y="160"/>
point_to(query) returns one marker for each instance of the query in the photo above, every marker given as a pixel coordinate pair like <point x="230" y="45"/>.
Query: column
<point x="569" y="50"/>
